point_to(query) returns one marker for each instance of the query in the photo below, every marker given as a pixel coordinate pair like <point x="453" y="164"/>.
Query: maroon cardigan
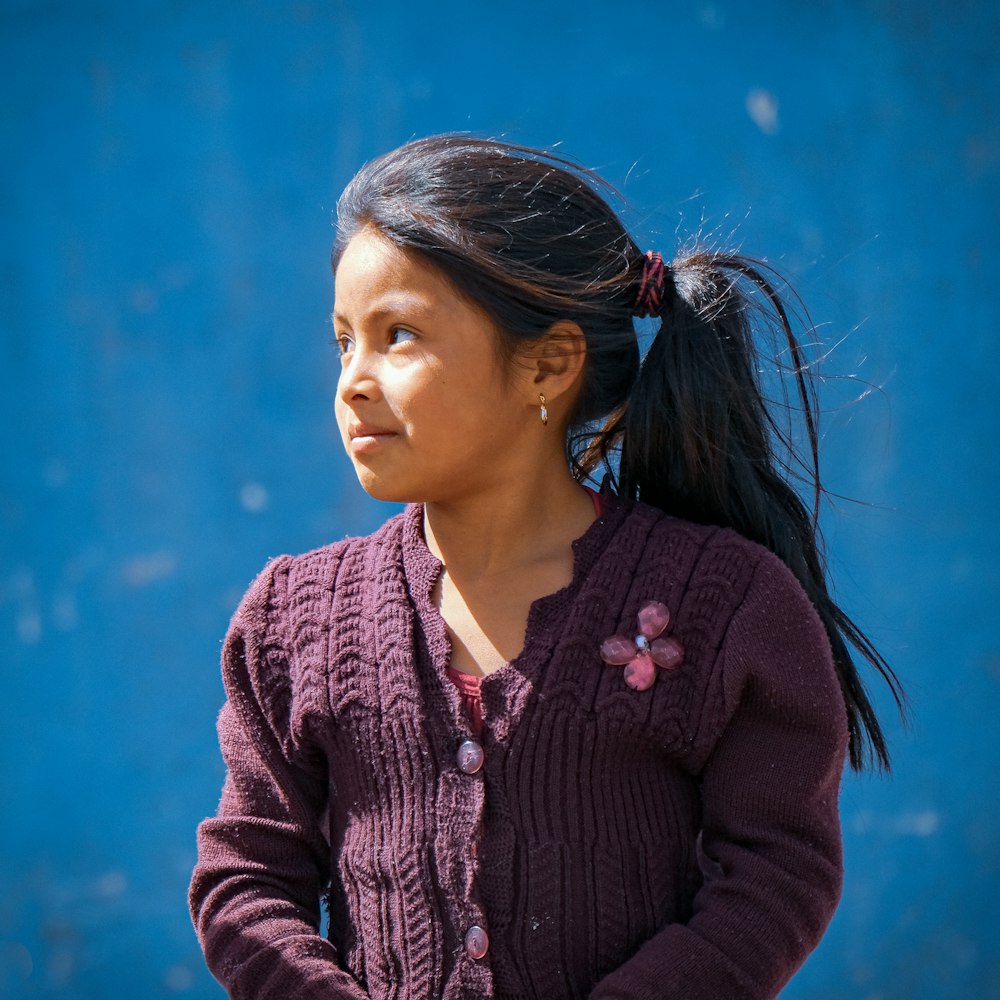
<point x="680" y="842"/>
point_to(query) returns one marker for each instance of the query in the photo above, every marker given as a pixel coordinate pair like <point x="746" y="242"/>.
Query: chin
<point x="379" y="488"/>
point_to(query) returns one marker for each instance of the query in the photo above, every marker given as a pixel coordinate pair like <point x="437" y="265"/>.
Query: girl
<point x="534" y="740"/>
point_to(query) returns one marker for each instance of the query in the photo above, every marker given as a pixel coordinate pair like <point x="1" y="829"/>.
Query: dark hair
<point x="529" y="237"/>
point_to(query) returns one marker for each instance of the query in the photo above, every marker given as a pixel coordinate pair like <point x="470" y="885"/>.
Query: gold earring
<point x="542" y="411"/>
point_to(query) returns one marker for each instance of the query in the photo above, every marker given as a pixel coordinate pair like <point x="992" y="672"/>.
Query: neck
<point x="514" y="525"/>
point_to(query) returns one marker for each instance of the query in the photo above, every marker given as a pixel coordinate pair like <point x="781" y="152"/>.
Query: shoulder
<point x="276" y="650"/>
<point x="715" y="562"/>
<point x="777" y="637"/>
<point x="289" y="584"/>
<point x="710" y="563"/>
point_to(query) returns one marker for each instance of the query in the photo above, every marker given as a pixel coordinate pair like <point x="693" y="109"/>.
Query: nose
<point x="358" y="376"/>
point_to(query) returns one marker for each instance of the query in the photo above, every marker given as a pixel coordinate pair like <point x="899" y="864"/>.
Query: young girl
<point x="533" y="740"/>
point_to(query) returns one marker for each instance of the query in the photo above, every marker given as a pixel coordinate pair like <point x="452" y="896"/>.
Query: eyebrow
<point x="390" y="307"/>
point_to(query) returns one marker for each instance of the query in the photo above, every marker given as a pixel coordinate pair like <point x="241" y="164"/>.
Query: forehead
<point x="372" y="265"/>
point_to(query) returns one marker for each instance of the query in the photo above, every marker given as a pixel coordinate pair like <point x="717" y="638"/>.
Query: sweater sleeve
<point x="263" y="859"/>
<point x="770" y="821"/>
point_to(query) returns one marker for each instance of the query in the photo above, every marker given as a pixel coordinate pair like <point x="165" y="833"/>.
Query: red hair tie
<point x="652" y="287"/>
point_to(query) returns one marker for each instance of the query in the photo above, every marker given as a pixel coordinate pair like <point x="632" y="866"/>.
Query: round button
<point x="470" y="756"/>
<point x="476" y="942"/>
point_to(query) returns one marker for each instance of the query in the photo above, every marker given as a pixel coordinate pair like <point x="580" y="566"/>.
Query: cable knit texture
<point x="680" y="843"/>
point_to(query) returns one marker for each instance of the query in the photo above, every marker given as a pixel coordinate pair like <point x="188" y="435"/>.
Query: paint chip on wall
<point x="762" y="107"/>
<point x="254" y="497"/>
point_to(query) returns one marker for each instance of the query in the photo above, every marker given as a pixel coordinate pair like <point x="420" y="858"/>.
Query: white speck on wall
<point x="253" y="497"/>
<point x="61" y="966"/>
<point x="762" y="107"/>
<point x="19" y="588"/>
<point x="139" y="571"/>
<point x="178" y="979"/>
<point x="65" y="616"/>
<point x="110" y="884"/>
<point x="915" y="823"/>
<point x="711" y="17"/>
<point x="29" y="625"/>
<point x="918" y="824"/>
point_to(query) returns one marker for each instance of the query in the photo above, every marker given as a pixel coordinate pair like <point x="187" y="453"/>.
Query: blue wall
<point x="167" y="178"/>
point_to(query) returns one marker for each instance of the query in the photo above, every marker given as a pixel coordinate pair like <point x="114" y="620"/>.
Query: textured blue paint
<point x="167" y="176"/>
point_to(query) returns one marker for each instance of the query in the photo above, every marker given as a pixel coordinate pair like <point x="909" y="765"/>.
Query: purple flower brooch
<point x="647" y="651"/>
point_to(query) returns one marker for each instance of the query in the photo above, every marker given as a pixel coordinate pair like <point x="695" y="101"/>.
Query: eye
<point x="345" y="343"/>
<point x="401" y="336"/>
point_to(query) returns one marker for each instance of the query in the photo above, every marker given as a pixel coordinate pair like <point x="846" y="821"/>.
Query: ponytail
<point x="697" y="438"/>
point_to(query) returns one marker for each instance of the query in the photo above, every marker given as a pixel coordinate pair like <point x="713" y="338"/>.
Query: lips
<point x="368" y="437"/>
<point x="368" y="431"/>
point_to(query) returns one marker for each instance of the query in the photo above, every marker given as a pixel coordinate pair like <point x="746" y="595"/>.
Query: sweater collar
<point x="506" y="691"/>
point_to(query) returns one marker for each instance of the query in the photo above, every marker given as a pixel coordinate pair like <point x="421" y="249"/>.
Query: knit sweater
<point x="677" y="842"/>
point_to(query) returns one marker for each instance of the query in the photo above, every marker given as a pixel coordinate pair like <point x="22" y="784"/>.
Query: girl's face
<point x="423" y="406"/>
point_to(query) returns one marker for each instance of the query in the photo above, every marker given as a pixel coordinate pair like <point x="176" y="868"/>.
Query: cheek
<point x="490" y="406"/>
<point x="418" y="397"/>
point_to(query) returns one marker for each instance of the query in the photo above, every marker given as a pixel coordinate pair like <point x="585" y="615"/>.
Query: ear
<point x="555" y="361"/>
